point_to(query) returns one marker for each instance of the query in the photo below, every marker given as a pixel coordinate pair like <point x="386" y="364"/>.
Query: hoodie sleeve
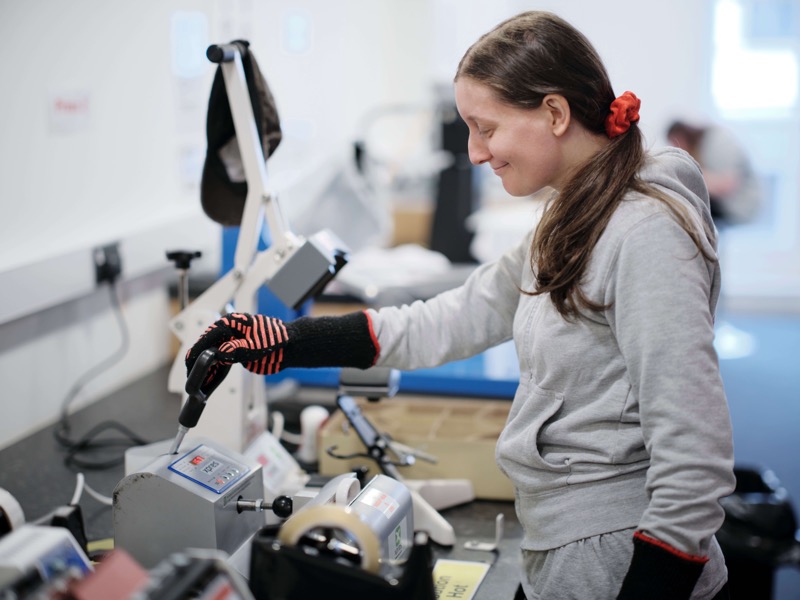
<point x="662" y="316"/>
<point x="455" y="324"/>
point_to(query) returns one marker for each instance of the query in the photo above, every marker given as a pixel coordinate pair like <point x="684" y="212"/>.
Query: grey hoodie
<point x="620" y="418"/>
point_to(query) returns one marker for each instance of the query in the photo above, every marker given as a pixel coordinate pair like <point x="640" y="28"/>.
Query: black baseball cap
<point x="223" y="188"/>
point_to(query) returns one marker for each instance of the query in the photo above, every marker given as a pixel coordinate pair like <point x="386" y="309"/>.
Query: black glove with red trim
<point x="659" y="571"/>
<point x="266" y="345"/>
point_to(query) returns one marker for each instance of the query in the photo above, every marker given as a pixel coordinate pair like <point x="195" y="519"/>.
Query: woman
<point x="618" y="440"/>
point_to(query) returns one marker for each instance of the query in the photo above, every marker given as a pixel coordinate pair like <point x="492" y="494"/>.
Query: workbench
<point x="33" y="470"/>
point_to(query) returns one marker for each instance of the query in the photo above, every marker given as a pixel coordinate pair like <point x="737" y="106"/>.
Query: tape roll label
<point x="398" y="540"/>
<point x="380" y="500"/>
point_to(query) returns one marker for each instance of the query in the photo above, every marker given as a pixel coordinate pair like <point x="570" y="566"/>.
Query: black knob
<point x="282" y="506"/>
<point x="361" y="474"/>
<point x="183" y="258"/>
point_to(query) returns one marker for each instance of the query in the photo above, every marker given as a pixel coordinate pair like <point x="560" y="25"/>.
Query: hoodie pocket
<point x="518" y="448"/>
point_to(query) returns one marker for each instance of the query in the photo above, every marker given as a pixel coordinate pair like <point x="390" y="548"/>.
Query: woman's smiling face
<point x="519" y="144"/>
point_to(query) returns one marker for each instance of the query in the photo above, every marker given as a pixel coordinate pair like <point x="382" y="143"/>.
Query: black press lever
<point x="198" y="394"/>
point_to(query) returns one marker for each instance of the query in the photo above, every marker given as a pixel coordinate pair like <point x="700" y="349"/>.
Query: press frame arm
<point x="294" y="267"/>
<point x="254" y="164"/>
<point x="252" y="268"/>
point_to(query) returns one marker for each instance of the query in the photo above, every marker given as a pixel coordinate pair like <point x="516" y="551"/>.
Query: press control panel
<point x="209" y="468"/>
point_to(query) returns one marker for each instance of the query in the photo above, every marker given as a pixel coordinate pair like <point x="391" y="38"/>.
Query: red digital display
<point x="197" y="460"/>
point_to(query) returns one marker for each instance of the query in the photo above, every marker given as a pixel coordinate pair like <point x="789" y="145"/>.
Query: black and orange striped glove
<point x="255" y="341"/>
<point x="265" y="345"/>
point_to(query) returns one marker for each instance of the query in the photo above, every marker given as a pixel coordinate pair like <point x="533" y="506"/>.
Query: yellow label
<point x="457" y="579"/>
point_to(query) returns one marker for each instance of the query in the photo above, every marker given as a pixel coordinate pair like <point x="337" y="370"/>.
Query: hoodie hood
<point x="677" y="173"/>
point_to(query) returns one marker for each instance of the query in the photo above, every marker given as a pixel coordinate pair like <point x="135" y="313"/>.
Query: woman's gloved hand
<point x="255" y="341"/>
<point x="265" y="345"/>
<point x="660" y="572"/>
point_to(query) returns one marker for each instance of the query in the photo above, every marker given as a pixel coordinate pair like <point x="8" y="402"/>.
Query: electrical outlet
<point x="107" y="263"/>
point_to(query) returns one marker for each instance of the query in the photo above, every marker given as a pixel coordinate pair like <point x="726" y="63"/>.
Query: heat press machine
<point x="206" y="497"/>
<point x="210" y="497"/>
<point x="293" y="267"/>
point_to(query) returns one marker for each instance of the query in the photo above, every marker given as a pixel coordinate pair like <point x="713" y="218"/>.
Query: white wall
<point x="94" y="137"/>
<point x="358" y="55"/>
<point x="112" y="164"/>
<point x="43" y="355"/>
<point x="655" y="49"/>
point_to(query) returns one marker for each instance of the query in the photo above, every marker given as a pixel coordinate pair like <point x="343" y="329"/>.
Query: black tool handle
<point x="198" y="394"/>
<point x="191" y="411"/>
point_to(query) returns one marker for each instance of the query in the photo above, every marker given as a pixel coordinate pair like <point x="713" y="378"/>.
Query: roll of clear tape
<point x="334" y="517"/>
<point x="10" y="510"/>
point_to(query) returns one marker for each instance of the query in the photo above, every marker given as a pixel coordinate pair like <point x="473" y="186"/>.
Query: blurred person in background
<point x="732" y="182"/>
<point x="736" y="197"/>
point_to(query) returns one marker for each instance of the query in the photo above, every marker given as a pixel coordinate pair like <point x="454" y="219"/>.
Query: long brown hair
<point x="524" y="59"/>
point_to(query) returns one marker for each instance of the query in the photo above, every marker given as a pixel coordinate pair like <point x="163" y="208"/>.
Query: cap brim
<point x="222" y="200"/>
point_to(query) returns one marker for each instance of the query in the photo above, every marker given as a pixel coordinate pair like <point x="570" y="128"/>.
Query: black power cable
<point x="88" y="444"/>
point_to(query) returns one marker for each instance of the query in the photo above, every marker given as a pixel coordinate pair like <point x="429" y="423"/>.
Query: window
<point x="754" y="89"/>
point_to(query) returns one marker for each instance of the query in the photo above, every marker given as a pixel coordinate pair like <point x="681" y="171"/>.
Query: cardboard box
<point x="461" y="433"/>
<point x="412" y="224"/>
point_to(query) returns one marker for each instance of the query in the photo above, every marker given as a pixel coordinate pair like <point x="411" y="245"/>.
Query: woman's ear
<point x="558" y="111"/>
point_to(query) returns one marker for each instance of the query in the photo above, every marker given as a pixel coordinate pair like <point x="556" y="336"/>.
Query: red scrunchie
<point x="624" y="111"/>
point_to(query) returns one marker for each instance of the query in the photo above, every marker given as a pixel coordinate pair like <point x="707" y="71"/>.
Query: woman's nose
<point x="478" y="153"/>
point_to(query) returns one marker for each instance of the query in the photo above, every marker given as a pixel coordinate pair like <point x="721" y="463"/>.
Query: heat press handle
<point x="194" y="405"/>
<point x="219" y="53"/>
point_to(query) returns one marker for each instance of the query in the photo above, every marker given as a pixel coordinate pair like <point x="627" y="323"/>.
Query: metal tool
<point x="489" y="546"/>
<point x="373" y="383"/>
